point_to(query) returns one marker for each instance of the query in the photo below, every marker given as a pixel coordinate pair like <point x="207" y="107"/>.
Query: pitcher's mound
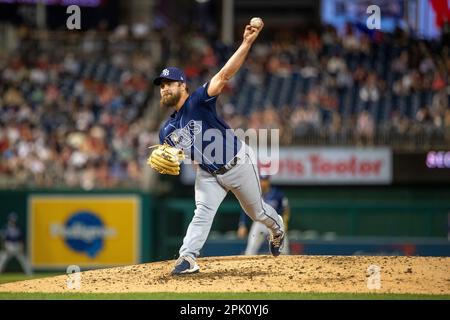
<point x="424" y="275"/>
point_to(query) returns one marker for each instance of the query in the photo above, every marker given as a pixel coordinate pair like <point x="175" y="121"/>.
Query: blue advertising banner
<point x="351" y="246"/>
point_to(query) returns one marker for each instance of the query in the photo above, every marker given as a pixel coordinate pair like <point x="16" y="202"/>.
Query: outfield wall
<point x="363" y="246"/>
<point x="89" y="229"/>
<point x="135" y="227"/>
<point x="318" y="212"/>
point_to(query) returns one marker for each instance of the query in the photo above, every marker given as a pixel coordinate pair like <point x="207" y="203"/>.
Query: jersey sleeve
<point x="19" y="235"/>
<point x="164" y="133"/>
<point x="161" y="136"/>
<point x="202" y="96"/>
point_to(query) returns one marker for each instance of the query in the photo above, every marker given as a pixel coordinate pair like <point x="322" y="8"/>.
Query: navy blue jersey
<point x="12" y="234"/>
<point x="274" y="198"/>
<point x="196" y="126"/>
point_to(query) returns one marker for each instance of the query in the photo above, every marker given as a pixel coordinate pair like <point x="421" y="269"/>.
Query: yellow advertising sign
<point x="88" y="231"/>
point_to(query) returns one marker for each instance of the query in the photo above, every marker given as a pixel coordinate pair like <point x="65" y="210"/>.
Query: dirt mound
<point x="424" y="275"/>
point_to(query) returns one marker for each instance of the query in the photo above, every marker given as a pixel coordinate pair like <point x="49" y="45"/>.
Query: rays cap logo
<point x="170" y="73"/>
<point x="83" y="232"/>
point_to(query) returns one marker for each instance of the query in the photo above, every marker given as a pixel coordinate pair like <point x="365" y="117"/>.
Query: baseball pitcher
<point x="194" y="131"/>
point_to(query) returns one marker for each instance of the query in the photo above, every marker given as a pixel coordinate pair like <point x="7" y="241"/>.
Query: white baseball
<point x="256" y="22"/>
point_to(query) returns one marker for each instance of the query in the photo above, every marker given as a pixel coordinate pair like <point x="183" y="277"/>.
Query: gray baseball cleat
<point x="185" y="265"/>
<point x="276" y="243"/>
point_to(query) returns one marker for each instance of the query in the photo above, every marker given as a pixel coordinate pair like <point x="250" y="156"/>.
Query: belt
<point x="226" y="167"/>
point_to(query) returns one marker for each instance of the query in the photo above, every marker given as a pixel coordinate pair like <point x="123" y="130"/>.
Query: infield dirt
<point x="421" y="275"/>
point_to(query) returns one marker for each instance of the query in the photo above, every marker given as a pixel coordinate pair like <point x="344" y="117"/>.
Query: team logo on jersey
<point x="184" y="138"/>
<point x="84" y="232"/>
<point x="165" y="72"/>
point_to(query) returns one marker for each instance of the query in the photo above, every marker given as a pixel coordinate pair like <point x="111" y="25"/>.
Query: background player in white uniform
<point x="233" y="170"/>
<point x="12" y="239"/>
<point x="258" y="231"/>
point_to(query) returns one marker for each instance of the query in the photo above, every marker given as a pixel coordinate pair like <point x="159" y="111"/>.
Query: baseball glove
<point x="166" y="159"/>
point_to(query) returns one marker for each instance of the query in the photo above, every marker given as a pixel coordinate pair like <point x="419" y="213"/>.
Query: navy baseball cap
<point x="12" y="216"/>
<point x="170" y="73"/>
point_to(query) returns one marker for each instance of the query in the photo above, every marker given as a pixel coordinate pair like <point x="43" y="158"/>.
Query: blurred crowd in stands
<point x="79" y="109"/>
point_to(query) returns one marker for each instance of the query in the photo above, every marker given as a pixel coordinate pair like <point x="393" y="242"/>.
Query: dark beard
<point x="170" y="101"/>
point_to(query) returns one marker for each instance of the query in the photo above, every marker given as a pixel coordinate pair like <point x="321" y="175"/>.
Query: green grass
<point x="11" y="277"/>
<point x="216" y="296"/>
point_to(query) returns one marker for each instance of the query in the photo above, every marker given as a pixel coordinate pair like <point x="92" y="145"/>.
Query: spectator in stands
<point x="447" y="124"/>
<point x="369" y="91"/>
<point x="365" y="128"/>
<point x="335" y="128"/>
<point x="68" y="114"/>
